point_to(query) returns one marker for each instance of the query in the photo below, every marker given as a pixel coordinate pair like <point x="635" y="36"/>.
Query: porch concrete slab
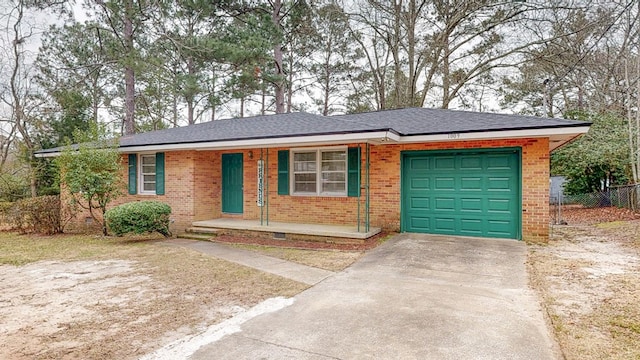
<point x="305" y="274"/>
<point x="338" y="231"/>
<point x="414" y="297"/>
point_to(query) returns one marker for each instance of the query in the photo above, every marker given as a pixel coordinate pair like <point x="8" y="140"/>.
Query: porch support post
<point x="264" y="201"/>
<point x="366" y="224"/>
<point x="359" y="183"/>
<point x="266" y="185"/>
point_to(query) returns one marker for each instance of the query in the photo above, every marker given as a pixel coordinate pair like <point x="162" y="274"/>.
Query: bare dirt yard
<point x="89" y="297"/>
<point x="588" y="277"/>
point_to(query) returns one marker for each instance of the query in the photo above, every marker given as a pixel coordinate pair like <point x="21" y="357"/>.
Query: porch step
<point x="191" y="236"/>
<point x="203" y="230"/>
<point x="199" y="233"/>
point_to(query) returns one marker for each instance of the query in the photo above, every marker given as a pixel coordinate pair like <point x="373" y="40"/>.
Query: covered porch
<point x="286" y="230"/>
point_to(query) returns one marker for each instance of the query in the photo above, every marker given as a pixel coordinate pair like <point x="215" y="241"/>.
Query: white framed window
<point x="319" y="172"/>
<point x="147" y="174"/>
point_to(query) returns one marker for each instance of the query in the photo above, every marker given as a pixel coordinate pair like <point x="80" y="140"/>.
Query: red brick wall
<point x="385" y="182"/>
<point x="193" y="187"/>
<point x="385" y="188"/>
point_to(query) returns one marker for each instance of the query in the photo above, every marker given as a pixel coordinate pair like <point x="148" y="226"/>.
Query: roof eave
<point x="557" y="135"/>
<point x="372" y="137"/>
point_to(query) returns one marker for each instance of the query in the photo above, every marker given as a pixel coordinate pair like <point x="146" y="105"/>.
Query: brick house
<point x="414" y="170"/>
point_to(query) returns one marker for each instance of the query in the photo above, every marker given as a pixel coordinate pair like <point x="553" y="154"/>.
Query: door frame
<point x="409" y="153"/>
<point x="223" y="174"/>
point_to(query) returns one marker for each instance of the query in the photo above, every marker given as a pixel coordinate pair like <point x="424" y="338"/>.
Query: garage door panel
<point x="420" y="203"/>
<point x="471" y="183"/>
<point x="473" y="194"/>
<point x="499" y="184"/>
<point x="499" y="162"/>
<point x="444" y="183"/>
<point x="471" y="205"/>
<point x="420" y="183"/>
<point x="420" y="164"/>
<point x="500" y="206"/>
<point x="445" y="204"/>
<point x="499" y="228"/>
<point x="471" y="227"/>
<point x="421" y="223"/>
<point x="444" y="163"/>
<point x="445" y="225"/>
<point x="471" y="163"/>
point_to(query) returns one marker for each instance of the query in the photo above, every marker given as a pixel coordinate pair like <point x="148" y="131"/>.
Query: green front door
<point x="470" y="193"/>
<point x="232" y="197"/>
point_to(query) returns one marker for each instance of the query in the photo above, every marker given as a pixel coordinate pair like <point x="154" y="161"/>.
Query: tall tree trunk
<point x="279" y="85"/>
<point x="129" y="72"/>
<point x="18" y="109"/>
<point x="189" y="98"/>
<point x="411" y="52"/>
<point x="446" y="79"/>
<point x="263" y="100"/>
<point x="289" y="88"/>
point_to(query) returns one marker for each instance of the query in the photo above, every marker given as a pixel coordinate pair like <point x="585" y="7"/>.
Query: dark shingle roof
<point x="421" y="121"/>
<point x="405" y="122"/>
<point x="256" y="127"/>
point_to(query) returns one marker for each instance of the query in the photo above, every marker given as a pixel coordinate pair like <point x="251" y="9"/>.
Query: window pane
<point x="332" y="187"/>
<point x="149" y="178"/>
<point x="334" y="155"/>
<point x="148" y="172"/>
<point x="148" y="169"/>
<point x="149" y="160"/>
<point x="304" y="166"/>
<point x="305" y="156"/>
<point x="304" y="183"/>
<point x="334" y="166"/>
<point x="338" y="176"/>
<point x="304" y="162"/>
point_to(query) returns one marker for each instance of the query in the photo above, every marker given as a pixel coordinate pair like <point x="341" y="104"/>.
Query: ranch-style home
<point x="411" y="170"/>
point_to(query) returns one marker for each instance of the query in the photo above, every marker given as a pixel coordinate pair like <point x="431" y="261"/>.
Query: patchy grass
<point x="332" y="260"/>
<point x="589" y="281"/>
<point x="611" y="224"/>
<point x="91" y="297"/>
<point x="19" y="250"/>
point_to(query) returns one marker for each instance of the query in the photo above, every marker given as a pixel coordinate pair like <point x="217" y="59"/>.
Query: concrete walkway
<point x="290" y="270"/>
<point x="414" y="297"/>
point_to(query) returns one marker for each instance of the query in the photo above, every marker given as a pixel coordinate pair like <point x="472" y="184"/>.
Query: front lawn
<point x="91" y="297"/>
<point x="588" y="277"/>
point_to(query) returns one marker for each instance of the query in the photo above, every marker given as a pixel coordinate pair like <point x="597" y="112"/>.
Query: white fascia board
<point x="377" y="136"/>
<point x="488" y="135"/>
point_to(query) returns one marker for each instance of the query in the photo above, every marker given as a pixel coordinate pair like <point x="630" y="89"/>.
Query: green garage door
<point x="462" y="193"/>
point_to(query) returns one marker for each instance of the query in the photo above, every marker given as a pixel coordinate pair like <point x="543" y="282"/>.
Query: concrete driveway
<point x="415" y="297"/>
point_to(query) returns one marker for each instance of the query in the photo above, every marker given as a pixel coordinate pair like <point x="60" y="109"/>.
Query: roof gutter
<point x="375" y="137"/>
<point x="500" y="134"/>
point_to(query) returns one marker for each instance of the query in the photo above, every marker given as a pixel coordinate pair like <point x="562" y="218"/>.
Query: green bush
<point x="139" y="217"/>
<point x="39" y="214"/>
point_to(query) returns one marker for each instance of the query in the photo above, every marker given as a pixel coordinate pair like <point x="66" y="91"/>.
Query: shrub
<point x="39" y="214"/>
<point x="5" y="207"/>
<point x="139" y="217"/>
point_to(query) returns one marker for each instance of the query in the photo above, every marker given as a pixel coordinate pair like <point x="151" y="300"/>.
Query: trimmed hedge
<point x="139" y="217"/>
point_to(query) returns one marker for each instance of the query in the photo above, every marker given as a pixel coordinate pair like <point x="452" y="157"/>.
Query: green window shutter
<point x="160" y="173"/>
<point x="353" y="172"/>
<point x="283" y="172"/>
<point x="133" y="174"/>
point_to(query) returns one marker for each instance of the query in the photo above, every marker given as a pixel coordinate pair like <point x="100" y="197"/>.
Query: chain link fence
<point x="624" y="196"/>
